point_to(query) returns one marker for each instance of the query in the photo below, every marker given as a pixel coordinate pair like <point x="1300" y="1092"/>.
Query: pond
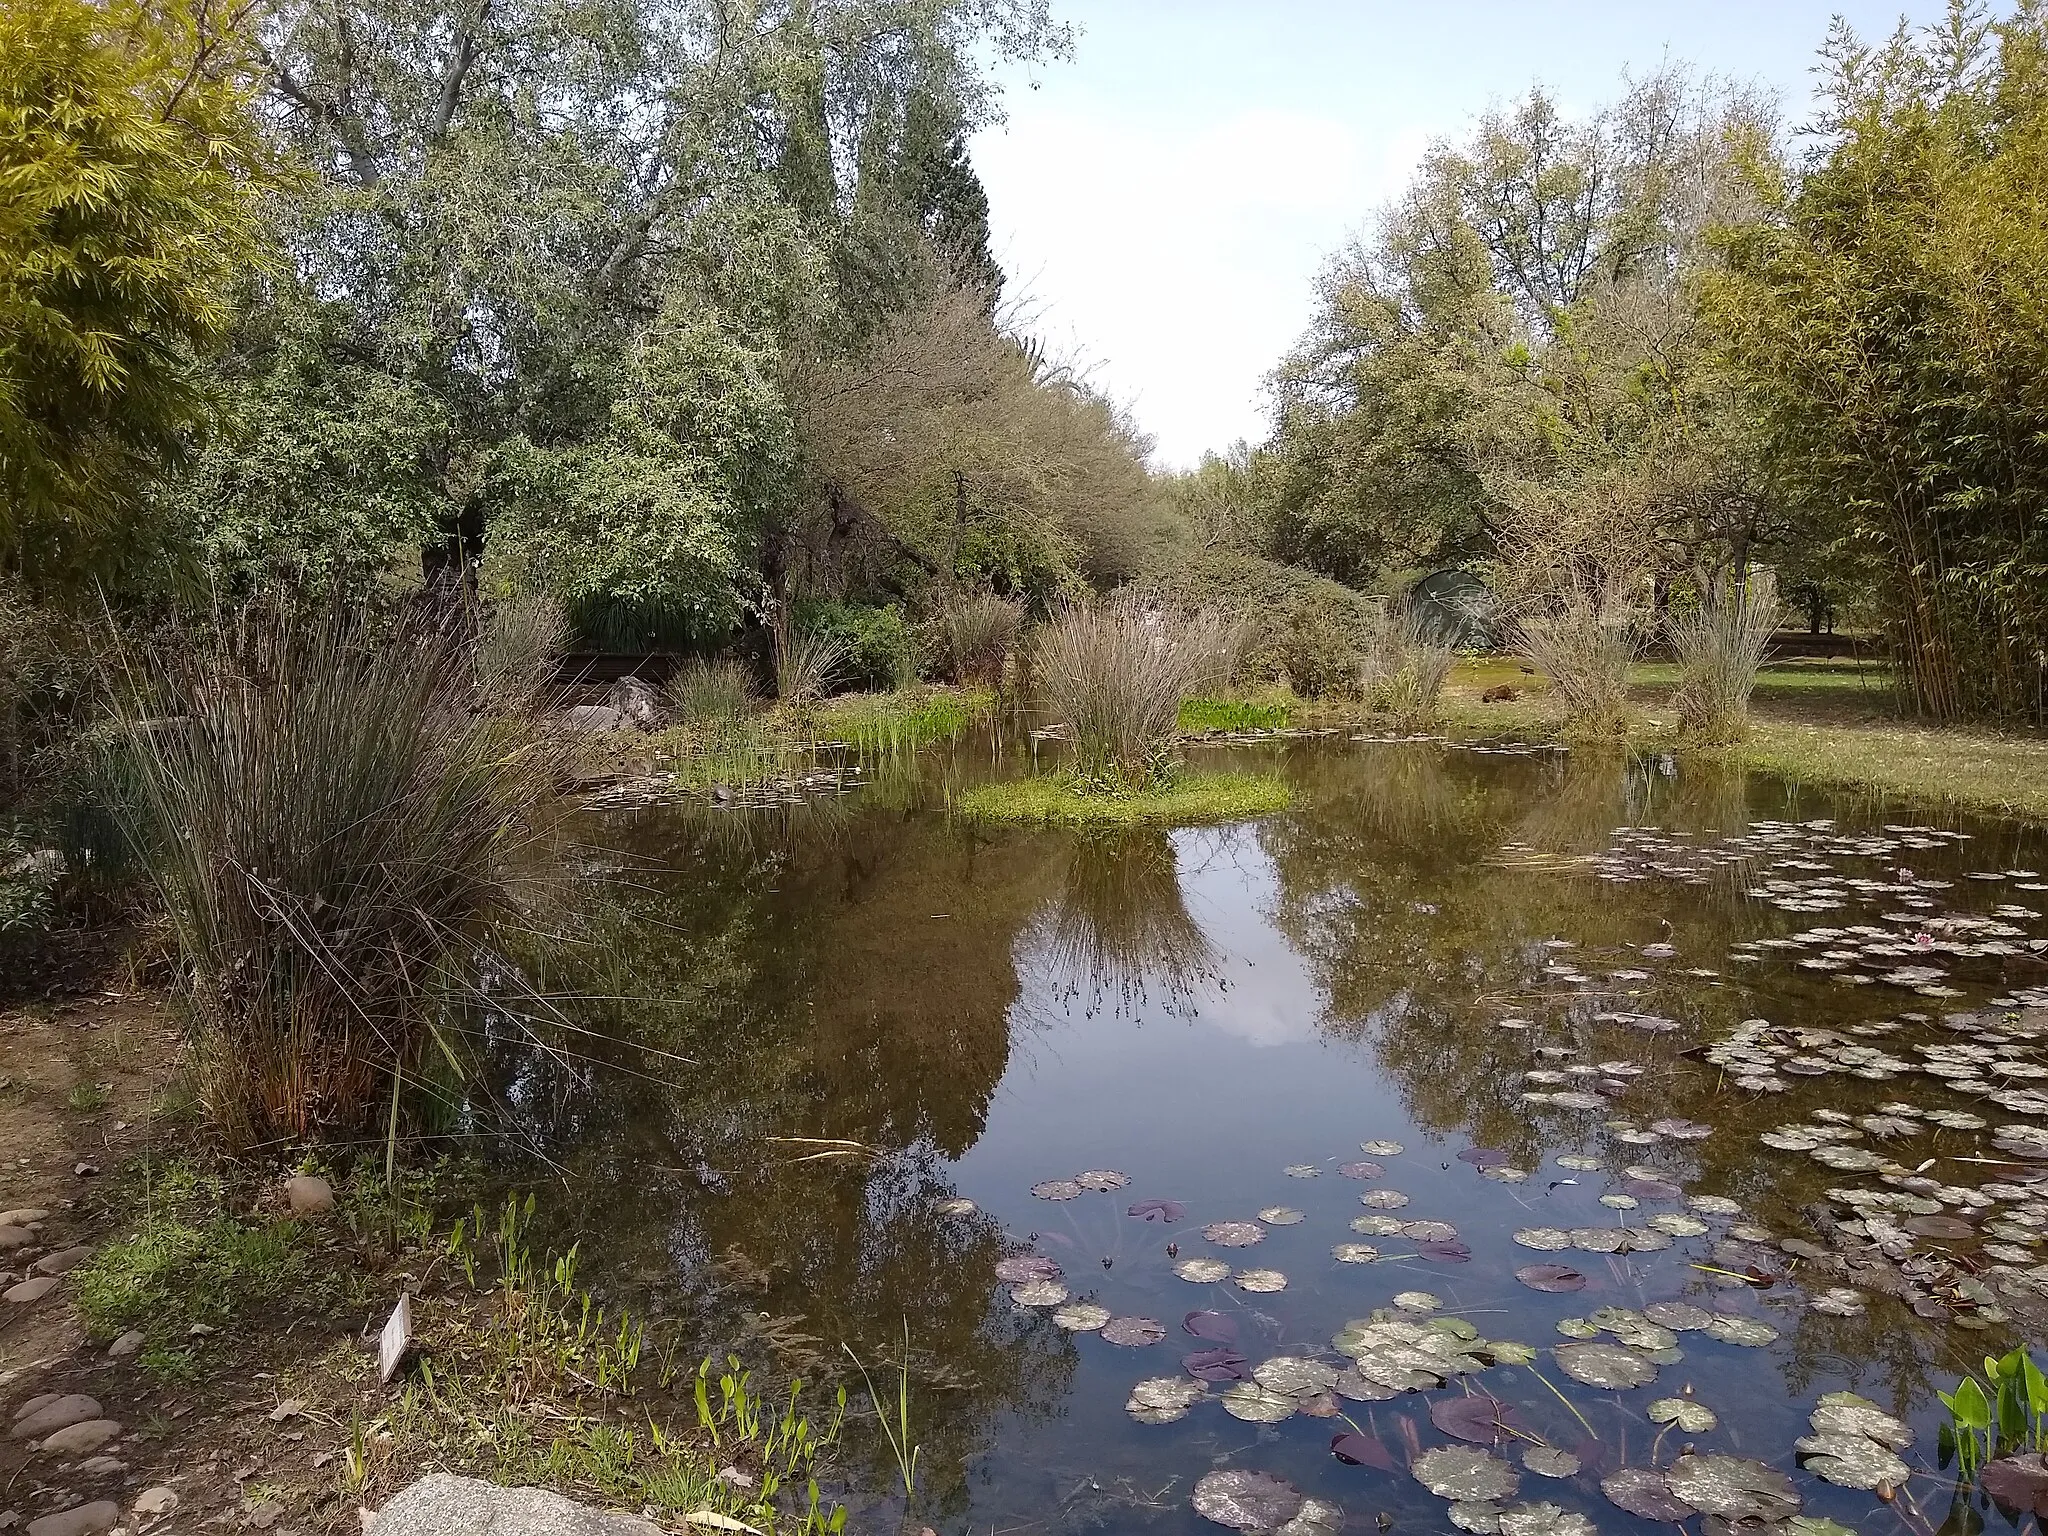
<point x="1551" y="1134"/>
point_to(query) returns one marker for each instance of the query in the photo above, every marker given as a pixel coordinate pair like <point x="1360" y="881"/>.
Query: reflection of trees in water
<point x="1119" y="933"/>
<point x="800" y="985"/>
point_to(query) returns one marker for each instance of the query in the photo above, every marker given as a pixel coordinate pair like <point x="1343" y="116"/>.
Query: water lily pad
<point x="1694" y="1418"/>
<point x="1361" y="1170"/>
<point x="1543" y="1520"/>
<point x="1428" y="1231"/>
<point x="1947" y="1228"/>
<point x="1809" y="1525"/>
<point x="1673" y="1224"/>
<point x="1057" y="1189"/>
<point x="1851" y="1461"/>
<point x="1354" y="1253"/>
<point x="1202" y="1271"/>
<point x="1681" y="1315"/>
<point x="1281" y="1216"/>
<point x="1133" y="1332"/>
<point x="1612" y="1366"/>
<point x="1081" y="1317"/>
<point x="1715" y="1205"/>
<point x="1357" y="1450"/>
<point x="1220" y="1364"/>
<point x="1158" y="1210"/>
<point x="1383" y="1199"/>
<point x="1599" y="1239"/>
<point x="1458" y="1473"/>
<point x="1245" y="1500"/>
<point x="1295" y="1375"/>
<point x="1544" y="1239"/>
<point x="1549" y="1461"/>
<point x="1316" y="1517"/>
<point x="1381" y="1148"/>
<point x="1844" y="1413"/>
<point x="958" y="1206"/>
<point x="2018" y="1483"/>
<point x="1234" y="1234"/>
<point x="1645" y="1492"/>
<point x="1556" y="1278"/>
<point x="1733" y="1487"/>
<point x="1417" y="1301"/>
<point x="1302" y="1171"/>
<point x="1839" y="1301"/>
<point x="1256" y="1404"/>
<point x="1164" y="1399"/>
<point x="1577" y="1328"/>
<point x="1479" y="1516"/>
<point x="1746" y="1331"/>
<point x="1019" y="1268"/>
<point x="1039" y="1293"/>
<point x="1377" y="1226"/>
<point x="1484" y="1157"/>
<point x="1102" y="1180"/>
<point x="1578" y="1162"/>
<point x="1361" y="1389"/>
<point x="1444" y="1250"/>
<point x="1476" y="1417"/>
<point x="1260" y="1281"/>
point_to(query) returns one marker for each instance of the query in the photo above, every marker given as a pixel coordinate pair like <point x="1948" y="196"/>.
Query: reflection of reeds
<point x="1121" y="927"/>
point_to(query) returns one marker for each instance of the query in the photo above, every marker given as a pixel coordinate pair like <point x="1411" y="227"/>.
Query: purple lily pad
<point x="1444" y="1250"/>
<point x="1484" y="1157"/>
<point x="2018" y="1483"/>
<point x="1356" y="1450"/>
<point x="1361" y="1170"/>
<point x="1220" y="1364"/>
<point x="1217" y="1327"/>
<point x="1477" y="1417"/>
<point x="1555" y="1278"/>
<point x="1158" y="1210"/>
<point x="1022" y="1268"/>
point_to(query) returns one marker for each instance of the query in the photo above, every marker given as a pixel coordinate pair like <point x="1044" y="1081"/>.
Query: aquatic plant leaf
<point x="1549" y="1461"/>
<point x="1578" y="1162"/>
<point x="1673" y="1224"/>
<point x="1081" y="1317"/>
<point x="1479" y="1516"/>
<point x="1545" y="1239"/>
<point x="1295" y="1375"/>
<point x="1845" y="1413"/>
<point x="1381" y="1148"/>
<point x="1645" y="1492"/>
<point x="1383" y="1199"/>
<point x="1256" y="1404"/>
<point x="1202" y="1271"/>
<point x="1680" y="1315"/>
<point x="1316" y="1517"/>
<point x="1417" y="1301"/>
<point x="1454" y="1472"/>
<point x="1354" y="1253"/>
<point x="1260" y="1281"/>
<point x="958" y="1206"/>
<point x="1217" y="1327"/>
<point x="1039" y="1293"/>
<point x="1234" y="1234"/>
<point x="1056" y="1189"/>
<point x="1428" y="1231"/>
<point x="2018" y="1483"/>
<point x="1133" y="1332"/>
<point x="1551" y="1277"/>
<point x="1164" y="1399"/>
<point x="1612" y="1366"/>
<point x="1694" y="1418"/>
<point x="1733" y="1487"/>
<point x="1376" y="1226"/>
<point x="1245" y="1500"/>
<point x="1360" y="1389"/>
<point x="1362" y="1170"/>
<point x="1021" y="1267"/>
<point x="1682" y="1130"/>
<point x="1219" y="1364"/>
<point x="1475" y="1417"/>
<point x="1543" y="1520"/>
<point x="1281" y="1216"/>
<point x="1484" y="1157"/>
<point x="1356" y="1450"/>
<point x="1946" y="1227"/>
<point x="1600" y="1239"/>
<point x="1715" y="1205"/>
<point x="1746" y="1331"/>
<point x="1302" y="1171"/>
<point x="1103" y="1180"/>
<point x="1851" y="1461"/>
<point x="1158" y="1210"/>
<point x="1812" y="1525"/>
<point x="1652" y="1189"/>
<point x="1447" y="1250"/>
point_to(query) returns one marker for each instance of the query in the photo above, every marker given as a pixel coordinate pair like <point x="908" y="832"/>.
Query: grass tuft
<point x="1215" y="713"/>
<point x="1061" y="800"/>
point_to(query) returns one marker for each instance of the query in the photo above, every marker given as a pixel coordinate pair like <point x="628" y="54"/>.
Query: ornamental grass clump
<point x="1720" y="646"/>
<point x="1114" y="674"/>
<point x="336" y="835"/>
<point x="1405" y="667"/>
<point x="1586" y="640"/>
<point x="978" y="632"/>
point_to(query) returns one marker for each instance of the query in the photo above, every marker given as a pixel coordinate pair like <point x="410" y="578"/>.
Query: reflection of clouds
<point x="1228" y="879"/>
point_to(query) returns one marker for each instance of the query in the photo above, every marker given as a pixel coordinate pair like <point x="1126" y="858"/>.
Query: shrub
<point x="1114" y="673"/>
<point x="334" y="835"/>
<point x="876" y="643"/>
<point x="1586" y="641"/>
<point x="977" y="633"/>
<point x="1720" y="645"/>
<point x="1405" y="667"/>
<point x="1296" y="627"/>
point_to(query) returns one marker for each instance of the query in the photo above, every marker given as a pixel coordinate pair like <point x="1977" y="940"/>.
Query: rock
<point x="61" y="1262"/>
<point x="594" y="718"/>
<point x="86" y="1170"/>
<point x="84" y="1520"/>
<point x="31" y="1290"/>
<point x="40" y="1400"/>
<point x="263" y="1516"/>
<point x="101" y="1466"/>
<point x="636" y="703"/>
<point x="460" y="1506"/>
<point x="13" y="1237"/>
<point x="155" y="1501"/>
<point x="80" y="1439"/>
<point x="43" y="1415"/>
<point x="130" y="1343"/>
<point x="22" y="1218"/>
<point x="309" y="1195"/>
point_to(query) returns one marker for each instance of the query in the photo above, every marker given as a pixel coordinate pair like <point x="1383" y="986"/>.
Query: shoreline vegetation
<point x="1058" y="799"/>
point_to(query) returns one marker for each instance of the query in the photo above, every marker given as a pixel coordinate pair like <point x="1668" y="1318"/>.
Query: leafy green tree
<point x="133" y="175"/>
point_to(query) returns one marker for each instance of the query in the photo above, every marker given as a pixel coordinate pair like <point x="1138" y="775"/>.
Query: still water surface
<point x="1471" y="963"/>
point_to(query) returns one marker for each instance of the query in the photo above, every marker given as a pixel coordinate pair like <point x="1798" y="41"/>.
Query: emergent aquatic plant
<point x="1405" y="667"/>
<point x="898" y="1433"/>
<point x="1720" y="644"/>
<point x="2005" y="1414"/>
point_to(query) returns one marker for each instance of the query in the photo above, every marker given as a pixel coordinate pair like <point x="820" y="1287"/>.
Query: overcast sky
<point x="1167" y="198"/>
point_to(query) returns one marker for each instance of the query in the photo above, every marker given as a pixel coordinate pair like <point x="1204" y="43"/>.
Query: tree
<point x="1887" y="317"/>
<point x="133" y="175"/>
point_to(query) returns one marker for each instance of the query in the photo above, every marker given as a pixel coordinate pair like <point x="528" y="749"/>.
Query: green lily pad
<point x="1746" y="1331"/>
<point x="1851" y="1461"/>
<point x="1256" y="1404"/>
<point x="1693" y="1418"/>
<point x="1316" y="1517"/>
<point x="1281" y="1216"/>
<point x="1354" y="1253"/>
<point x="1081" y="1317"/>
<point x="1544" y="1239"/>
<point x="1038" y="1293"/>
<point x="1612" y="1366"/>
<point x="1202" y="1271"/>
<point x="1260" y="1281"/>
<point x="1295" y="1376"/>
<point x="1245" y="1500"/>
<point x="1733" y="1487"/>
<point x="1544" y="1520"/>
<point x="1164" y="1399"/>
<point x="1844" y="1413"/>
<point x="1464" y="1473"/>
<point x="1549" y="1461"/>
<point x="1479" y="1516"/>
<point x="1417" y="1301"/>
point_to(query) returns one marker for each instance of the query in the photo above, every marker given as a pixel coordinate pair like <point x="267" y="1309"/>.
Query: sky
<point x="1163" y="202"/>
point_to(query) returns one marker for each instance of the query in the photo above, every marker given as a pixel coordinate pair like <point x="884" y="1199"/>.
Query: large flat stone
<point x="80" y="1439"/>
<point x="45" y="1415"/>
<point x="32" y="1290"/>
<point x="62" y="1262"/>
<point x="460" y="1506"/>
<point x="83" y="1520"/>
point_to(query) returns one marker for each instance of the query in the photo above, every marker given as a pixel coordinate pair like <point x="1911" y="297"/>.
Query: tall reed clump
<point x="1115" y="674"/>
<point x="807" y="663"/>
<point x="979" y="631"/>
<point x="1586" y="640"/>
<point x="1720" y="645"/>
<point x="335" y="834"/>
<point x="1405" y="667"/>
<point x="719" y="728"/>
<point x="516" y="650"/>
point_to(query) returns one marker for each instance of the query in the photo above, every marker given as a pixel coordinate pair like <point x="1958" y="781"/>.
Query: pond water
<point x="1500" y="1095"/>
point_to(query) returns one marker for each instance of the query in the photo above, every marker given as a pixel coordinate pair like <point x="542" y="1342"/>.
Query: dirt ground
<point x="85" y="1056"/>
